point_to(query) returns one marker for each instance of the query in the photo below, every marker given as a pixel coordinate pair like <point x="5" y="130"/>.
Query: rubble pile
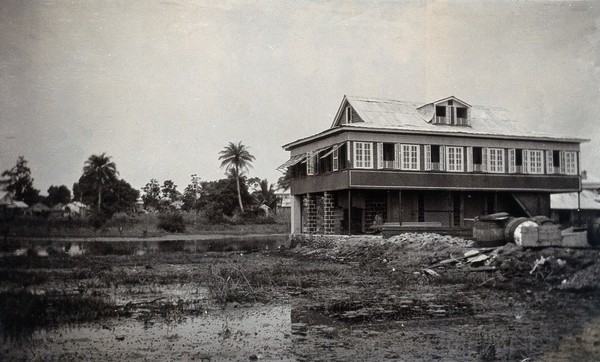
<point x="587" y="279"/>
<point x="433" y="255"/>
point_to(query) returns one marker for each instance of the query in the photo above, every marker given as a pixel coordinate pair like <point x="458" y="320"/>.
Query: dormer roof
<point x="444" y="100"/>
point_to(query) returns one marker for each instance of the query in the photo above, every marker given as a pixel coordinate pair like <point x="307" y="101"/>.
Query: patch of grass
<point x="142" y="225"/>
<point x="233" y="284"/>
<point x="21" y="312"/>
<point x="110" y="248"/>
<point x="22" y="278"/>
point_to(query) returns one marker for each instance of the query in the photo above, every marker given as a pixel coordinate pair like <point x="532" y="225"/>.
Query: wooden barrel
<point x="488" y="231"/>
<point x="495" y="217"/>
<point x="542" y="220"/>
<point x="512" y="231"/>
<point x="593" y="233"/>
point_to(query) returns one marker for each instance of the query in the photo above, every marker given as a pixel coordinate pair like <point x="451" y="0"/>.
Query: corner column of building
<point x="329" y="214"/>
<point x="309" y="214"/>
<point x="296" y="211"/>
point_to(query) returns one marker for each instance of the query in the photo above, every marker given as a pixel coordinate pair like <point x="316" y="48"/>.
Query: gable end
<point x="346" y="114"/>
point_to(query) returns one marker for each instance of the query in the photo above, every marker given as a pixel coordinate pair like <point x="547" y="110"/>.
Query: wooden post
<point x="399" y="208"/>
<point x="495" y="201"/>
<point x="388" y="210"/>
<point x="349" y="212"/>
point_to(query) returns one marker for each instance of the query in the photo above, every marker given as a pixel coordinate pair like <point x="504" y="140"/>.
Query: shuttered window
<point x="310" y="163"/>
<point x="427" y="157"/>
<point x="533" y="161"/>
<point x="549" y="162"/>
<point x="469" y="159"/>
<point x="410" y="157"/>
<point x="512" y="168"/>
<point x="496" y="160"/>
<point x="363" y="155"/>
<point x="570" y="163"/>
<point x="454" y="159"/>
<point x="336" y="165"/>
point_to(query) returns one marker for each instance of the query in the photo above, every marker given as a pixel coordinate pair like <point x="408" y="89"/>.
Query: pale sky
<point x="162" y="87"/>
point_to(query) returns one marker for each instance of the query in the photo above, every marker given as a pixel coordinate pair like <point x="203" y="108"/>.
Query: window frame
<point x="496" y="160"/>
<point x="570" y="162"/>
<point x="452" y="154"/>
<point x="538" y="167"/>
<point x="413" y="153"/>
<point x="365" y="149"/>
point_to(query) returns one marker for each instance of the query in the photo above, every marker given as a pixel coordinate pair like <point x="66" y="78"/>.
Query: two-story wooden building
<point x="439" y="164"/>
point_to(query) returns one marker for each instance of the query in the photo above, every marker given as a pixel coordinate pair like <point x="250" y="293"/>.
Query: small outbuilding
<point x="577" y="207"/>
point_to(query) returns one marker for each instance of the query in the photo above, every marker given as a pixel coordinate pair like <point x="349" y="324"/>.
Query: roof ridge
<point x="379" y="99"/>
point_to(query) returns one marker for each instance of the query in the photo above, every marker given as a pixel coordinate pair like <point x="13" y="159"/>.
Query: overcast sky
<point x="162" y="87"/>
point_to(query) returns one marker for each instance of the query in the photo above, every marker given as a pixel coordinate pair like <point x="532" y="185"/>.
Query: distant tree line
<point x="105" y="193"/>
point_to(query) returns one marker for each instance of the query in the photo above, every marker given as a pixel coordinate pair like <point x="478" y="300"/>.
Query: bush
<point x="98" y="218"/>
<point x="172" y="222"/>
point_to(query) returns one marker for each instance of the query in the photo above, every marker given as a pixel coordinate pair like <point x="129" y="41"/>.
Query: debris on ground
<point x="587" y="279"/>
<point x="432" y="255"/>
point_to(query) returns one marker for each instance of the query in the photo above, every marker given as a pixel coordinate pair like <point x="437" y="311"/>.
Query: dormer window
<point x="440" y="114"/>
<point x="462" y="119"/>
<point x="451" y="112"/>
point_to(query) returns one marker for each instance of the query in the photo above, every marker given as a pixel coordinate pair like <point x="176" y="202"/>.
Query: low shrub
<point x="172" y="222"/>
<point x="98" y="218"/>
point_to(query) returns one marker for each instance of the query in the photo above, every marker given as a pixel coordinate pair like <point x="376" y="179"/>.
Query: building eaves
<point x="440" y="132"/>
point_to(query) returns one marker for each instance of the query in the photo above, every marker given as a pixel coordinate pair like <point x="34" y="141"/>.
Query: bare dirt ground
<point x="409" y="298"/>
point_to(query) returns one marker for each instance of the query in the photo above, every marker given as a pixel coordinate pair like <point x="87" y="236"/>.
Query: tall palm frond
<point x="236" y="158"/>
<point x="102" y="170"/>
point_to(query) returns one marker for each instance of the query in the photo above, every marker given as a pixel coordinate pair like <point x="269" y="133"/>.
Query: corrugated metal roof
<point x="5" y="198"/>
<point x="401" y="115"/>
<point x="390" y="115"/>
<point x="590" y="182"/>
<point x="292" y="161"/>
<point x="590" y="200"/>
<point x="18" y="205"/>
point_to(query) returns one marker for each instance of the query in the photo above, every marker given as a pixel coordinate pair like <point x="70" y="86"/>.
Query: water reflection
<point x="139" y="246"/>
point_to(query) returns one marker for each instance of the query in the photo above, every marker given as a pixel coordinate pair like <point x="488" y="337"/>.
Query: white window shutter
<point x="335" y="165"/>
<point x="469" y="159"/>
<point x="348" y="152"/>
<point x="402" y="151"/>
<point x="396" y="156"/>
<point x="310" y="165"/>
<point x="380" y="155"/>
<point x="427" y="157"/>
<point x="549" y="162"/>
<point x="512" y="161"/>
<point x="563" y="163"/>
<point x="442" y="158"/>
<point x="484" y="159"/>
<point x="525" y="161"/>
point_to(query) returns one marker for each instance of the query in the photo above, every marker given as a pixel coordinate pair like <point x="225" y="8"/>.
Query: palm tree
<point x="101" y="169"/>
<point x="236" y="158"/>
<point x="266" y="194"/>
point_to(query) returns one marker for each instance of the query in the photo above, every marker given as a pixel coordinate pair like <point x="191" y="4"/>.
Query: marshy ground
<point x="318" y="299"/>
